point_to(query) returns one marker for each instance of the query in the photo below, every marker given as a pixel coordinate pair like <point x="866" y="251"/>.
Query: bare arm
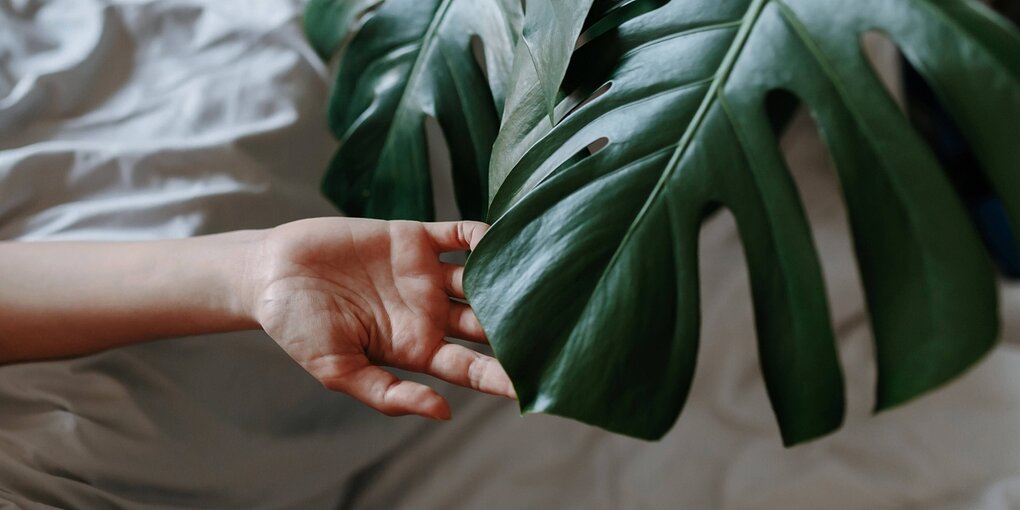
<point x="342" y="296"/>
<point x="62" y="299"/>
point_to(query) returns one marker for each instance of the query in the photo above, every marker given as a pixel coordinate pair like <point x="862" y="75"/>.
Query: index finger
<point x="455" y="235"/>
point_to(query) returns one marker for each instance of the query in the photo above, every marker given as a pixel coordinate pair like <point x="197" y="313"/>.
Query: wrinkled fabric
<point x="163" y="119"/>
<point x="156" y="119"/>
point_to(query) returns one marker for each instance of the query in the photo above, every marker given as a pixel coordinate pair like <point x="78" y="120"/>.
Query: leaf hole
<point x="478" y="52"/>
<point x="810" y="163"/>
<point x="884" y="57"/>
<point x="594" y="147"/>
<point x="728" y="370"/>
<point x="441" y="173"/>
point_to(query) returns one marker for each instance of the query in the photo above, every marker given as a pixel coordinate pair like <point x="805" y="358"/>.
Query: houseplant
<point x="597" y="136"/>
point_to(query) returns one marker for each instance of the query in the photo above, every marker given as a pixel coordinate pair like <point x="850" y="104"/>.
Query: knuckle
<point x="476" y="371"/>
<point x="386" y="405"/>
<point x="405" y="228"/>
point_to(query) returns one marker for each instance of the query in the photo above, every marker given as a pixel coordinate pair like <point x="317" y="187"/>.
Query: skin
<point x="343" y="297"/>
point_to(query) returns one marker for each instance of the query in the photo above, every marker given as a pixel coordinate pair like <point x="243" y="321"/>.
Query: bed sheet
<point x="140" y="119"/>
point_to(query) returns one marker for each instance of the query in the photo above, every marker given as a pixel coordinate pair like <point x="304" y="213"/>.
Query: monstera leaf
<point x="408" y="61"/>
<point x="587" y="284"/>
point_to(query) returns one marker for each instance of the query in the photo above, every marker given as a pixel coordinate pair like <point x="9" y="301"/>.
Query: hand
<point x="345" y="296"/>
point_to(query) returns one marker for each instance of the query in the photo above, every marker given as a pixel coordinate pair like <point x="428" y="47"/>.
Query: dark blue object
<point x="964" y="171"/>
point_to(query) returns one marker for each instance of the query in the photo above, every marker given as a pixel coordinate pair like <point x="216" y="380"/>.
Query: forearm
<point x="70" y="298"/>
<point x="341" y="296"/>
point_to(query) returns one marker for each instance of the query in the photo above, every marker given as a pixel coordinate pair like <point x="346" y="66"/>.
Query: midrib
<point x="428" y="40"/>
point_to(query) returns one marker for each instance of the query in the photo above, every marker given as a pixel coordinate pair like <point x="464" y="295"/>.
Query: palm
<point x="342" y="296"/>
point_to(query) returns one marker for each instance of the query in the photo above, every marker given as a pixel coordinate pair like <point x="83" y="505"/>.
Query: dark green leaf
<point x="410" y="60"/>
<point x="328" y="22"/>
<point x="587" y="284"/>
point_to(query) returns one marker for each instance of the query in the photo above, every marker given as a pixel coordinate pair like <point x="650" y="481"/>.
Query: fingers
<point x="463" y="323"/>
<point x="455" y="235"/>
<point x="453" y="278"/>
<point x="461" y="366"/>
<point x="461" y="320"/>
<point x="389" y="395"/>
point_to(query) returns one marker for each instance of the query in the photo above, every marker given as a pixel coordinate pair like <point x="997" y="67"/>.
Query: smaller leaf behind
<point x="410" y="60"/>
<point x="548" y="48"/>
<point x="541" y="62"/>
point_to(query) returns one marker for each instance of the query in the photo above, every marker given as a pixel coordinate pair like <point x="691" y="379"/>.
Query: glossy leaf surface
<point x="587" y="284"/>
<point x="408" y="61"/>
<point x="540" y="61"/>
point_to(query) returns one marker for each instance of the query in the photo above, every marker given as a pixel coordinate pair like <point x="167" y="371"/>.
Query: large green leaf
<point x="587" y="284"/>
<point x="411" y="60"/>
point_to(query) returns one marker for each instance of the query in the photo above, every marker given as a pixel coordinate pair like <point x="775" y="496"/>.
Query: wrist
<point x="245" y="276"/>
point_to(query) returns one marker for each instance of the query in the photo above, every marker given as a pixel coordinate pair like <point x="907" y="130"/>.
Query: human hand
<point x="345" y="296"/>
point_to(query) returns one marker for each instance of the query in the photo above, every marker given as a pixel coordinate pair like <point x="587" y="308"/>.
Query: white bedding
<point x="165" y="118"/>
